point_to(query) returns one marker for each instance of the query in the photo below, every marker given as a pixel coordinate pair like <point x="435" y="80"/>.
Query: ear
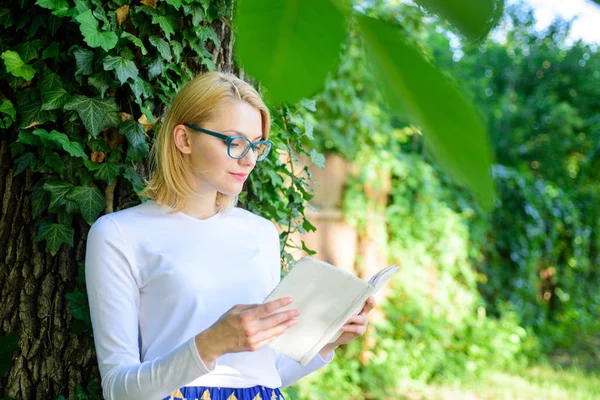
<point x="182" y="139"/>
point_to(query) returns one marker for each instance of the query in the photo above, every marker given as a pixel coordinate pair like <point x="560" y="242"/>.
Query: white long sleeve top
<point x="155" y="280"/>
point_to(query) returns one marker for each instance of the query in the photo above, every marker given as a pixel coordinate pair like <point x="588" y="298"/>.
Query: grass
<point x="541" y="382"/>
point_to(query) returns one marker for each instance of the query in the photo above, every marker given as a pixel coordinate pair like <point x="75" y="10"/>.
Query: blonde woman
<point x="175" y="284"/>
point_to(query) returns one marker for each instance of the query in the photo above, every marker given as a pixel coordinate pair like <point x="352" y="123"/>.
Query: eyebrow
<point x="241" y="133"/>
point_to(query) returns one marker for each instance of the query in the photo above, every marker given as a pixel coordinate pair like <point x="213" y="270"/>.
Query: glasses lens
<point x="237" y="147"/>
<point x="262" y="150"/>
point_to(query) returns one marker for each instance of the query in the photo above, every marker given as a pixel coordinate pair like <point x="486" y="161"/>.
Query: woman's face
<point x="213" y="169"/>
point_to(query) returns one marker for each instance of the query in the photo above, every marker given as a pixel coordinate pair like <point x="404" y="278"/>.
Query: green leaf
<point x="100" y="81"/>
<point x="29" y="50"/>
<point x="54" y="99"/>
<point x="162" y="46"/>
<point x="136" y="41"/>
<point x="27" y="137"/>
<point x="124" y="68"/>
<point x="95" y="113"/>
<point x="16" y="66"/>
<point x="32" y="113"/>
<point x="40" y="200"/>
<point x="92" y="35"/>
<point x="309" y="104"/>
<point x="134" y="132"/>
<point x="174" y="3"/>
<point x="207" y="32"/>
<point x="62" y="140"/>
<point x="166" y="24"/>
<point x="90" y="201"/>
<point x="108" y="172"/>
<point x="8" y="345"/>
<point x="317" y="158"/>
<point x="55" y="236"/>
<point x="138" y="153"/>
<point x="141" y="88"/>
<point x="25" y="161"/>
<point x="58" y="192"/>
<point x="134" y="178"/>
<point x="197" y="13"/>
<point x="60" y="8"/>
<point x="53" y="161"/>
<point x="84" y="62"/>
<point x="473" y="18"/>
<point x="298" y="42"/>
<point x="6" y="19"/>
<point x="7" y="108"/>
<point x="52" y="51"/>
<point x="156" y="68"/>
<point x="413" y="87"/>
<point x="79" y="306"/>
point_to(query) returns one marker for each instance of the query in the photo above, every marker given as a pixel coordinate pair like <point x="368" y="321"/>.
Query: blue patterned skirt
<point x="215" y="393"/>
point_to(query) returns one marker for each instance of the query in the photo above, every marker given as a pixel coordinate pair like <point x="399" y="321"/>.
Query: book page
<point x="322" y="293"/>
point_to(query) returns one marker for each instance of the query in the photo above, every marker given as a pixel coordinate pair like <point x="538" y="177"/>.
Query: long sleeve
<point x="289" y="369"/>
<point x="114" y="298"/>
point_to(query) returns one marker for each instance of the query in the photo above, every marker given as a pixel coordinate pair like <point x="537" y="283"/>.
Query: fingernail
<point x="288" y="300"/>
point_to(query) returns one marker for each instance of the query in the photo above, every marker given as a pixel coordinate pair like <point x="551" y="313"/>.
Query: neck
<point x="201" y="206"/>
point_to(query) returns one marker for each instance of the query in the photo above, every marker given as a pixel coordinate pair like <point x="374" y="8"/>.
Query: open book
<point x="326" y="297"/>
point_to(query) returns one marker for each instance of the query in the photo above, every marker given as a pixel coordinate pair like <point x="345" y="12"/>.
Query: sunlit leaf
<point x="16" y="66"/>
<point x="298" y="42"/>
<point x="418" y="91"/>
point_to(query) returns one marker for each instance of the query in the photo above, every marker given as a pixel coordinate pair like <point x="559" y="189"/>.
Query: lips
<point x="241" y="177"/>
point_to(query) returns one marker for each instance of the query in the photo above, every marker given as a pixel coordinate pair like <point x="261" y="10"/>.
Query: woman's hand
<point x="245" y="327"/>
<point x="355" y="327"/>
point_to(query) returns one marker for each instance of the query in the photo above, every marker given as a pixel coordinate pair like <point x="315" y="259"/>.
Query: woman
<point x="175" y="284"/>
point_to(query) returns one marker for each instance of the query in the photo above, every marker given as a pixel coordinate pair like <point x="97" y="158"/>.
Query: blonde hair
<point x="198" y="101"/>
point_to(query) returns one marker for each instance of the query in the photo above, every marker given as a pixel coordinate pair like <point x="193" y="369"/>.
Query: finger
<point x="369" y="305"/>
<point x="267" y="335"/>
<point x="278" y="318"/>
<point x="271" y="306"/>
<point x="357" y="319"/>
<point x="356" y="329"/>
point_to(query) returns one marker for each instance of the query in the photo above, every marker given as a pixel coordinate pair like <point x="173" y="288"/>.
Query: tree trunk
<point x="50" y="360"/>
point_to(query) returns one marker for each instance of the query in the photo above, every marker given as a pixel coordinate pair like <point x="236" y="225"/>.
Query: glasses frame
<point x="230" y="139"/>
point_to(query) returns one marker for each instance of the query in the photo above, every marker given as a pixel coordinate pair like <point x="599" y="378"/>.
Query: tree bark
<point x="50" y="360"/>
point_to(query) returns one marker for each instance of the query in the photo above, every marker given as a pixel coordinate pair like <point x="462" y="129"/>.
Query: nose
<point x="249" y="158"/>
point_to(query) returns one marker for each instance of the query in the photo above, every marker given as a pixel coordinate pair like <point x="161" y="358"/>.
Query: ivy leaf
<point x="83" y="61"/>
<point x="8" y="345"/>
<point x="317" y="158"/>
<point x="60" y="8"/>
<point x="90" y="201"/>
<point x="162" y="46"/>
<point x="6" y="20"/>
<point x="134" y="132"/>
<point x="58" y="192"/>
<point x="165" y="24"/>
<point x="79" y="306"/>
<point x="53" y="161"/>
<point x="16" y="66"/>
<point x="95" y="113"/>
<point x="108" y="172"/>
<point x="62" y="140"/>
<point x="196" y="11"/>
<point x="40" y="200"/>
<point x="135" y="40"/>
<point x="155" y="68"/>
<point x="92" y="35"/>
<point x="25" y="161"/>
<point x="32" y="114"/>
<point x="100" y="81"/>
<point x="141" y="87"/>
<point x="54" y="99"/>
<point x="299" y="43"/>
<point x="124" y="68"/>
<point x="7" y="108"/>
<point x="52" y="51"/>
<point x="174" y="3"/>
<point x="55" y="236"/>
<point x="134" y="178"/>
<point x="138" y="153"/>
<point x="29" y="50"/>
<point x="309" y="104"/>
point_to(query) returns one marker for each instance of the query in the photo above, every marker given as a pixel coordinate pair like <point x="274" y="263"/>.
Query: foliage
<point x="410" y="84"/>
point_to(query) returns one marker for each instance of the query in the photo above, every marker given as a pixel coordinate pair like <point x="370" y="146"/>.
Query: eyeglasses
<point x="238" y="146"/>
